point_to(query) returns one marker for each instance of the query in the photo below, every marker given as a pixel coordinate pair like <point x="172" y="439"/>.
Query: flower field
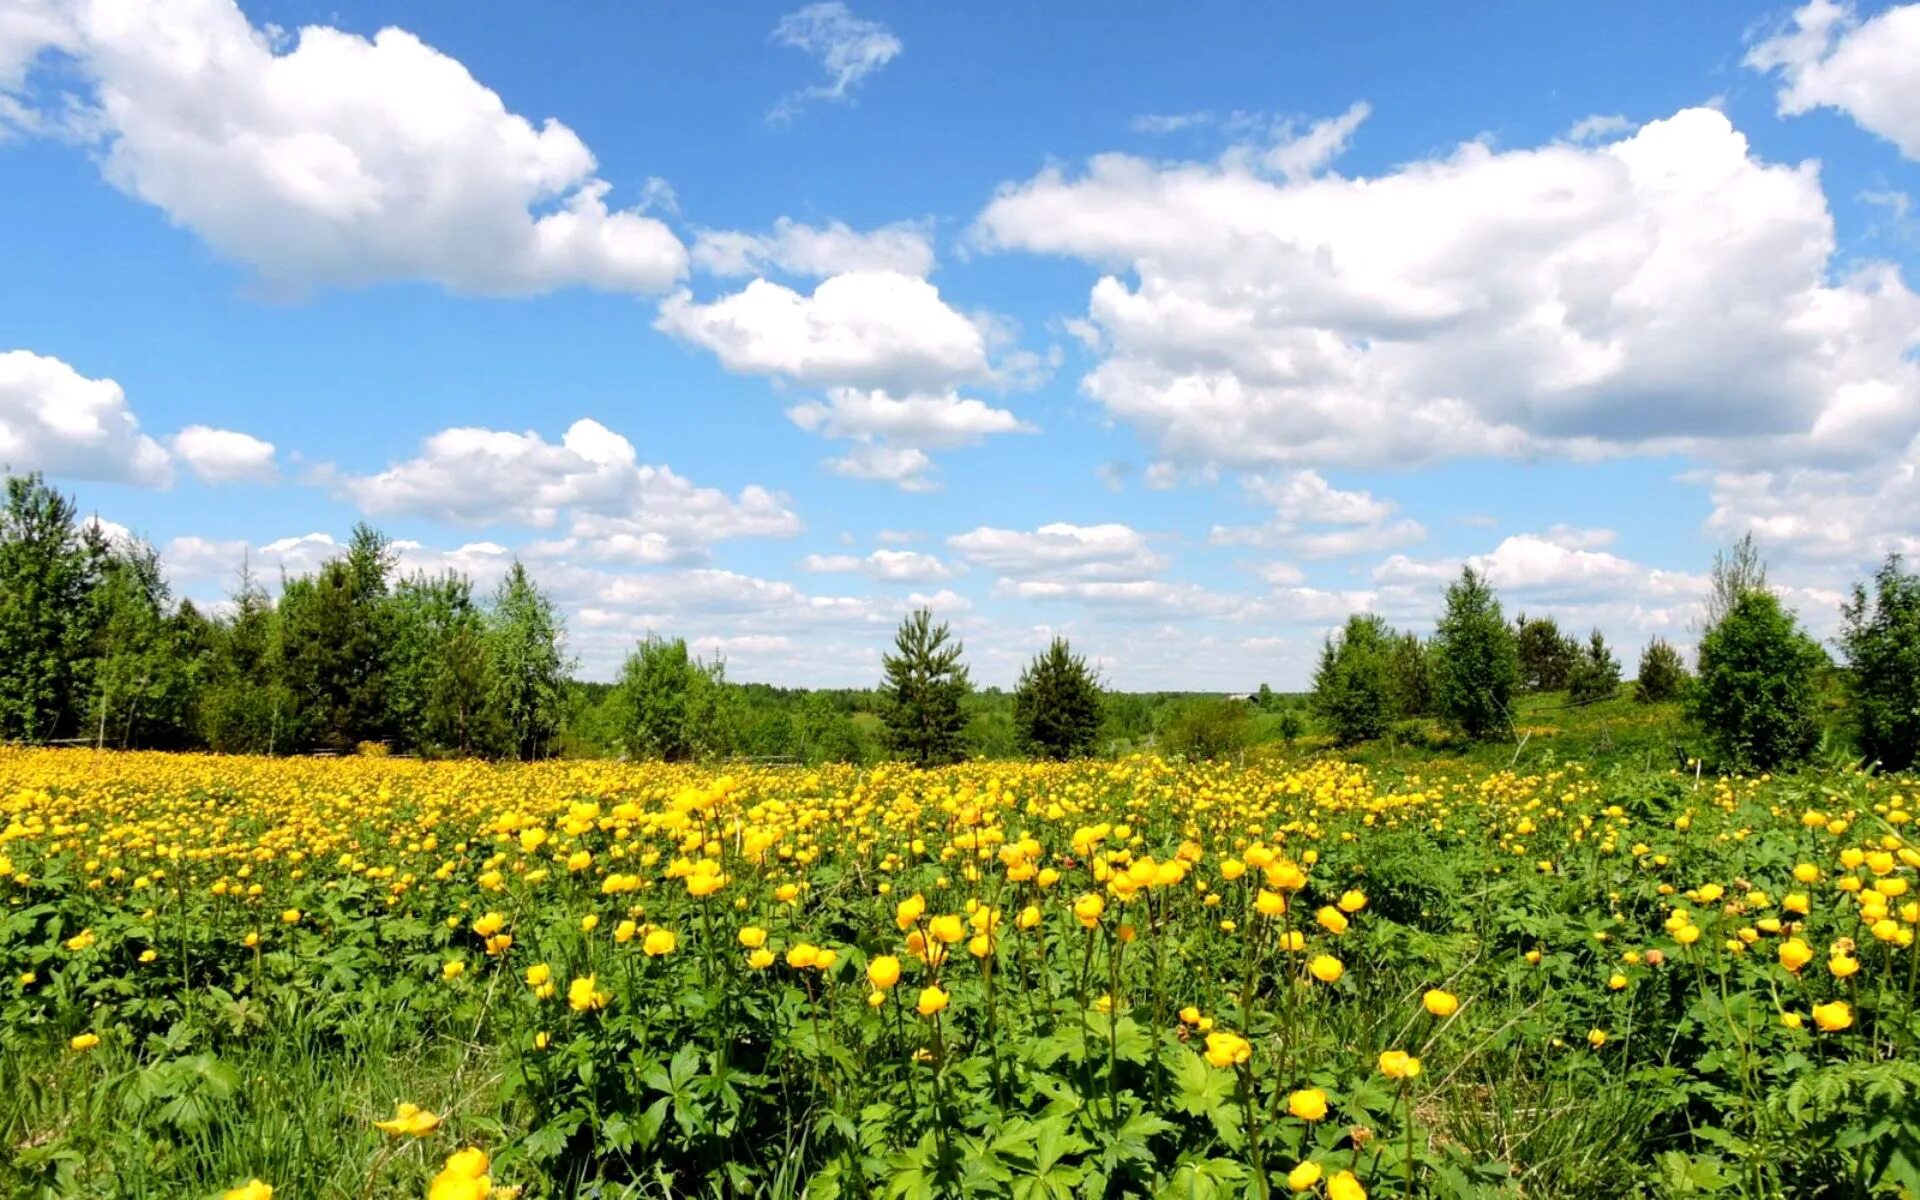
<point x="366" y="977"/>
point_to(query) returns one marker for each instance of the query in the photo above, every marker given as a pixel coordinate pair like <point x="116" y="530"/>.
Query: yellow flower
<point x="1345" y="1186"/>
<point x="947" y="928"/>
<point x="1795" y="954"/>
<point x="1353" y="900"/>
<point x="801" y="955"/>
<point x="1326" y="968"/>
<point x="538" y="974"/>
<point x="659" y="942"/>
<point x="453" y="968"/>
<point x="1309" y="1104"/>
<point x="1833" y="1016"/>
<point x="1439" y="1003"/>
<point x="1270" y="904"/>
<point x="83" y="1041"/>
<point x="1227" y="1049"/>
<point x="252" y="1189"/>
<point x="752" y="937"/>
<point x="589" y="923"/>
<point x="1087" y="910"/>
<point x="584" y="995"/>
<point x="290" y="917"/>
<point x="883" y="972"/>
<point x="1596" y="1038"/>
<point x="760" y="959"/>
<point x="1304" y="1176"/>
<point x="1331" y="919"/>
<point x="464" y="1177"/>
<point x="1843" y="965"/>
<point x="932" y="1000"/>
<point x="80" y="941"/>
<point x="1616" y="981"/>
<point x="1398" y="1064"/>
<point x="409" y="1119"/>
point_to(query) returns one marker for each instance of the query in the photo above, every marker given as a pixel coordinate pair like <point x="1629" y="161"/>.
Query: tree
<point x="141" y="677"/>
<point x="1475" y="664"/>
<point x="671" y="705"/>
<point x="1755" y="694"/>
<point x="334" y="643"/>
<point x="1547" y="656"/>
<point x="1410" y="676"/>
<point x="48" y="571"/>
<point x="920" y="697"/>
<point x="245" y="702"/>
<point x="530" y="664"/>
<point x="1206" y="727"/>
<point x="1056" y="708"/>
<point x="1662" y="676"/>
<point x="1351" y="687"/>
<point x="1881" y="640"/>
<point x="1596" y="672"/>
<point x="1737" y="571"/>
<point x="441" y="690"/>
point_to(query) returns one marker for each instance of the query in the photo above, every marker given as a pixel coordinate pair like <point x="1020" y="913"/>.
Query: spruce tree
<point x="1056" y="708"/>
<point x="1596" y="672"/>
<point x="1352" y="691"/>
<point x="925" y="683"/>
<point x="530" y="662"/>
<point x="1880" y="637"/>
<point x="1475" y="664"/>
<point x="1662" y="676"/>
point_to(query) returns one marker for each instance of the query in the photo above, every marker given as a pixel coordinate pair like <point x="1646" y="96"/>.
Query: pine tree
<point x="1547" y="656"/>
<point x="1755" y="694"/>
<point x="925" y="683"/>
<point x="1662" y="676"/>
<point x="1056" y="708"/>
<point x="1351" y="688"/>
<point x="1475" y="664"/>
<point x="1596" y="672"/>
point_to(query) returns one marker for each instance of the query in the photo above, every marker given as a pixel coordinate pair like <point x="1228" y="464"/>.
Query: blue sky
<point x="1183" y="330"/>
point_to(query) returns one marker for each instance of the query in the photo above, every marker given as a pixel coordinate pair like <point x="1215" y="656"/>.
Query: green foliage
<point x="1352" y="687"/>
<point x="1476" y="667"/>
<point x="335" y="643"/>
<point x="671" y="705"/>
<point x="525" y="638"/>
<point x="1056" y="708"/>
<point x="1880" y="637"/>
<point x="1547" y="657"/>
<point x="1662" y="676"/>
<point x="925" y="683"/>
<point x="48" y="569"/>
<point x="1410" y="676"/>
<point x="1755" y="698"/>
<point x="1207" y="727"/>
<point x="1596" y="672"/>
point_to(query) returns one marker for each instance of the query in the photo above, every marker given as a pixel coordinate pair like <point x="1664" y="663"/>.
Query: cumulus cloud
<point x="890" y="566"/>
<point x="1298" y="156"/>
<point x="224" y="456"/>
<point x="848" y="49"/>
<point x="340" y="160"/>
<point x="1060" y="551"/>
<point x="1666" y="292"/>
<point x="858" y="329"/>
<point x="619" y="508"/>
<point x="795" y="248"/>
<point x="1305" y="506"/>
<point x="56" y="420"/>
<point x="1827" y="57"/>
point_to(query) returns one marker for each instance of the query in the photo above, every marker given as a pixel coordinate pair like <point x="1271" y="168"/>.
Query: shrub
<point x="1881" y="641"/>
<point x="1755" y="695"/>
<point x="1207" y="728"/>
<point x="1350" y="688"/>
<point x="1662" y="676"/>
<point x="1547" y="657"/>
<point x="1475" y="664"/>
<point x="670" y="705"/>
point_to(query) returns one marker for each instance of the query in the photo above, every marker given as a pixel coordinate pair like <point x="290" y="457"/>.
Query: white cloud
<point x="1168" y="122"/>
<point x="341" y="161"/>
<point x="1060" y="551"/>
<point x="800" y="249"/>
<point x="1598" y="128"/>
<point x="619" y="508"/>
<point x="933" y="421"/>
<point x="224" y="456"/>
<point x="1666" y="292"/>
<point x="1300" y="156"/>
<point x="1547" y="567"/>
<point x="56" y="420"/>
<point x="1829" y="58"/>
<point x="848" y="49"/>
<point x="1362" y="523"/>
<point x="860" y="329"/>
<point x="890" y="566"/>
<point x="906" y="467"/>
<point x="1362" y="539"/>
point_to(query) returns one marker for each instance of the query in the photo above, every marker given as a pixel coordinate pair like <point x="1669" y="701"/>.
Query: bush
<point x="1547" y="657"/>
<point x="1596" y="672"/>
<point x="1881" y="641"/>
<point x="1351" y="687"/>
<point x="1475" y="664"/>
<point x="1207" y="728"/>
<point x="670" y="705"/>
<point x="1755" y="696"/>
<point x="1662" y="676"/>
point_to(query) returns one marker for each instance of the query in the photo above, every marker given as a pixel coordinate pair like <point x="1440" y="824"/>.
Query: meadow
<point x="1293" y="975"/>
